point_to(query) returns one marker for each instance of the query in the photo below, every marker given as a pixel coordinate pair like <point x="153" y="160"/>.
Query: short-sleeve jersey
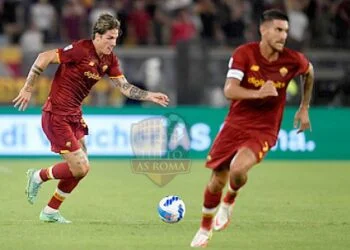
<point x="80" y="68"/>
<point x="248" y="65"/>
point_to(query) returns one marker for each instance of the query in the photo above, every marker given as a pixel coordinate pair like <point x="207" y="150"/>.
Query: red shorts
<point x="63" y="131"/>
<point x="230" y="140"/>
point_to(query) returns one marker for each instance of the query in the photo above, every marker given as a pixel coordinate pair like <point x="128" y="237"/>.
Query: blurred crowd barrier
<point x="192" y="73"/>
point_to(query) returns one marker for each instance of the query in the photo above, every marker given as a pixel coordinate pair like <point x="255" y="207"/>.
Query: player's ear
<point x="98" y="36"/>
<point x="264" y="27"/>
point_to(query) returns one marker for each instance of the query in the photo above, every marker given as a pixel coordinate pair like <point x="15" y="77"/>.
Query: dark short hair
<point x="104" y="23"/>
<point x="273" y="14"/>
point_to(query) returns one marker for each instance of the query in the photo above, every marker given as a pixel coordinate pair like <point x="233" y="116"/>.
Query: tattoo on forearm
<point x="37" y="70"/>
<point x="126" y="86"/>
<point x="29" y="84"/>
<point x="32" y="77"/>
<point x="137" y="94"/>
<point x="308" y="82"/>
<point x="130" y="90"/>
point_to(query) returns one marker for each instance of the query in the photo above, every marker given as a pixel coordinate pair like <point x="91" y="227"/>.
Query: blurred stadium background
<point x="180" y="47"/>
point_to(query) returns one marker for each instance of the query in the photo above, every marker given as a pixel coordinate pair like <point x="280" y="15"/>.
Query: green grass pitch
<point x="287" y="205"/>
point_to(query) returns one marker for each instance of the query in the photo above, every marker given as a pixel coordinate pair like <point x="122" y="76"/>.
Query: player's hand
<point x="158" y="98"/>
<point x="267" y="89"/>
<point x="22" y="100"/>
<point x="302" y="120"/>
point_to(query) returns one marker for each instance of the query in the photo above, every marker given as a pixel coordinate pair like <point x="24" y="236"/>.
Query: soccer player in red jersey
<point x="81" y="65"/>
<point x="257" y="79"/>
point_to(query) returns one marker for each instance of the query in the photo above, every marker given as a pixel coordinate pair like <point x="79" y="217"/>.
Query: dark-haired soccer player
<point x="82" y="64"/>
<point x="257" y="80"/>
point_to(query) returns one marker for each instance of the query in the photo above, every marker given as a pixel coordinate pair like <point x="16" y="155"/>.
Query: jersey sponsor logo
<point x="104" y="68"/>
<point x="68" y="47"/>
<point x="91" y="75"/>
<point x="260" y="82"/>
<point x="283" y="71"/>
<point x="254" y="67"/>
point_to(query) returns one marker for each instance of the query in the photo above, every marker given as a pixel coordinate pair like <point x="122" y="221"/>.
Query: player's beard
<point x="278" y="46"/>
<point x="108" y="50"/>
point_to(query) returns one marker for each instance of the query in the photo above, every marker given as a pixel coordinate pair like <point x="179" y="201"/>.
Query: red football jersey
<point x="80" y="68"/>
<point x="248" y="65"/>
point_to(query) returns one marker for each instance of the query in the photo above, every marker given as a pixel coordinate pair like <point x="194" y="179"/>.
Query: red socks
<point x="64" y="188"/>
<point x="58" y="171"/>
<point x="211" y="201"/>
<point x="231" y="194"/>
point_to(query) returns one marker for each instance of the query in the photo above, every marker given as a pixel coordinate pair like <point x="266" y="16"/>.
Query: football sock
<point x="37" y="177"/>
<point x="211" y="201"/>
<point x="64" y="188"/>
<point x="230" y="194"/>
<point x="49" y="210"/>
<point x="58" y="171"/>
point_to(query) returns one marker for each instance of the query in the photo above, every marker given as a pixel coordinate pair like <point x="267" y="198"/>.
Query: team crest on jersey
<point x="104" y="68"/>
<point x="254" y="67"/>
<point x="283" y="71"/>
<point x="91" y="63"/>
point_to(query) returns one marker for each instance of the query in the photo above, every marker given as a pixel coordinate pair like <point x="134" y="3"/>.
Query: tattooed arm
<point x="301" y="117"/>
<point x="136" y="93"/>
<point x="130" y="90"/>
<point x="40" y="64"/>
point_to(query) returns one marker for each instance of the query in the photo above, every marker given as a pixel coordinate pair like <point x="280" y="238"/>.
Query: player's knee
<point x="86" y="169"/>
<point x="216" y="184"/>
<point x="238" y="175"/>
<point x="236" y="170"/>
<point x="80" y="170"/>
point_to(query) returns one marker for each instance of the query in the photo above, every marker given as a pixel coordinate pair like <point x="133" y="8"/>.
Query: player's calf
<point x="218" y="180"/>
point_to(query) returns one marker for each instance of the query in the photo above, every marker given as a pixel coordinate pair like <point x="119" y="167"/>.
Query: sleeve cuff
<point x="235" y="73"/>
<point x="115" y="77"/>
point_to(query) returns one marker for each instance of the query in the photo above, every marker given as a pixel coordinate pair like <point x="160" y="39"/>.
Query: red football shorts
<point x="230" y="140"/>
<point x="63" y="131"/>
